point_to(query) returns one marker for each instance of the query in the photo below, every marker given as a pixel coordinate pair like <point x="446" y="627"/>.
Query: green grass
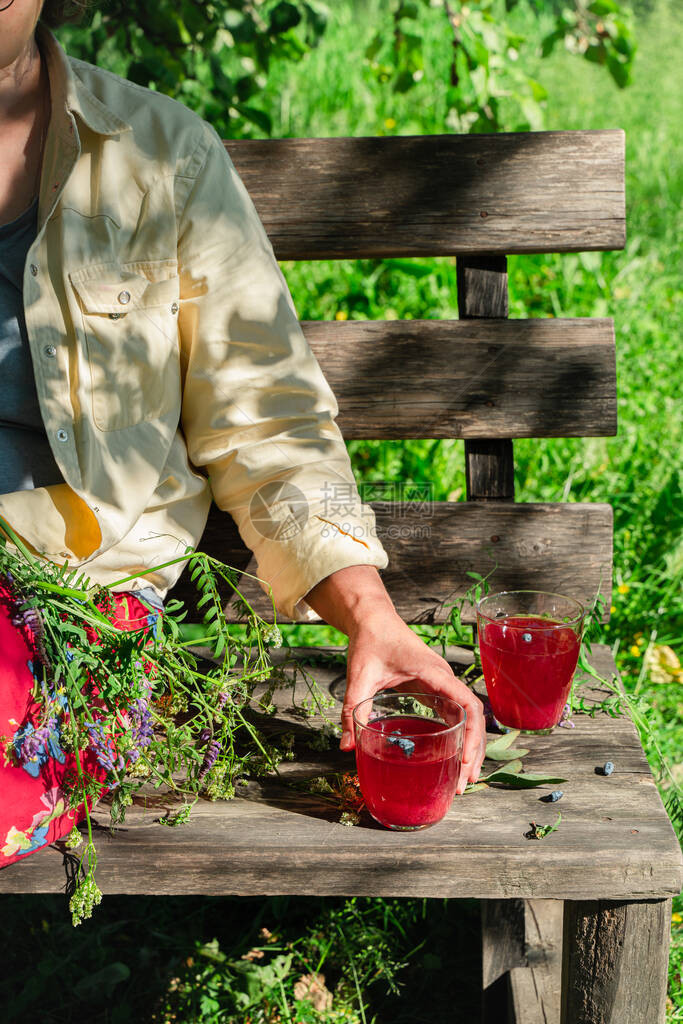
<point x="140" y="945"/>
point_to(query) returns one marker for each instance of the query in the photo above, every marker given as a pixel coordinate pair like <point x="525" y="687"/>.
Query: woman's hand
<point x="384" y="652"/>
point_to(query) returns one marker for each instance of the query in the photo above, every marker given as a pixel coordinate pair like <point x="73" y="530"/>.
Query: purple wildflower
<point x="33" y="744"/>
<point x="103" y="747"/>
<point x="32" y="621"/>
<point x="210" y="758"/>
<point x="142" y="732"/>
<point x="566" y="720"/>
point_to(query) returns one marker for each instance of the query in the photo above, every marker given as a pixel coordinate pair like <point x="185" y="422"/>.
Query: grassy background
<point x="147" y="959"/>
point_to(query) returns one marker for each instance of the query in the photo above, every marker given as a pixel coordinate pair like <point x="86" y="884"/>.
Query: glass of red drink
<point x="408" y="755"/>
<point x="529" y="642"/>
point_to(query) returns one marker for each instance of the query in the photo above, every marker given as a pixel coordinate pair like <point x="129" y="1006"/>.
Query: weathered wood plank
<point x="502" y="938"/>
<point x="566" y="548"/>
<point x="482" y="280"/>
<point x="510" y="192"/>
<point x="536" y="987"/>
<point x="469" y="378"/>
<point x="489" y="470"/>
<point x="615" y="840"/>
<point x="483" y="292"/>
<point x="615" y="961"/>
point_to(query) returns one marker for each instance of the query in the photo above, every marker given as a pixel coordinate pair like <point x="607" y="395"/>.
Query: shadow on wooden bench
<point x="575" y="928"/>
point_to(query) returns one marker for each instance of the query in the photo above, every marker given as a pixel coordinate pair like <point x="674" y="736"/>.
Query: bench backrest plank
<point x="431" y="195"/>
<point x="464" y="378"/>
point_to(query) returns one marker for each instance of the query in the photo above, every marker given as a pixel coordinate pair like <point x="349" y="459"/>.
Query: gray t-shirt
<point x="26" y="459"/>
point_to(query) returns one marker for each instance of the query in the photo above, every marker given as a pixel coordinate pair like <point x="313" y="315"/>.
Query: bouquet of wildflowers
<point x="134" y="706"/>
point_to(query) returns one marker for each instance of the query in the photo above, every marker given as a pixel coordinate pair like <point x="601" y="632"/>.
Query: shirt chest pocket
<point x="130" y="327"/>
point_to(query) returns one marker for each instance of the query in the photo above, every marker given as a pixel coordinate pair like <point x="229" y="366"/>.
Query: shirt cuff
<point x="323" y="545"/>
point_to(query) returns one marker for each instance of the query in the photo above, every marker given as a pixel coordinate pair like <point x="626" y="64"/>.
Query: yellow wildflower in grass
<point x="662" y="664"/>
<point x="635" y="651"/>
<point x="389" y="123"/>
<point x="341" y="314"/>
<point x="676" y="918"/>
<point x="623" y="588"/>
<point x="612" y="609"/>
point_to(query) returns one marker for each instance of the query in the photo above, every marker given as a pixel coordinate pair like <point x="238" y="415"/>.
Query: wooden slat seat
<point x="273" y="838"/>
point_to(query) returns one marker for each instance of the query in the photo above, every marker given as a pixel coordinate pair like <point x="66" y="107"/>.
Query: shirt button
<point x="115" y="316"/>
<point x="124" y="298"/>
<point x="62" y="435"/>
<point x="34" y="270"/>
<point x="174" y="307"/>
<point x="50" y="351"/>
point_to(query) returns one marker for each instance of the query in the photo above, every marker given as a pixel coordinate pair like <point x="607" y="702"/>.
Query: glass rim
<point x="416" y="696"/>
<point x="549" y="593"/>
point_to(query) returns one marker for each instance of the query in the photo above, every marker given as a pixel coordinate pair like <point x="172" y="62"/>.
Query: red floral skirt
<point x="33" y="809"/>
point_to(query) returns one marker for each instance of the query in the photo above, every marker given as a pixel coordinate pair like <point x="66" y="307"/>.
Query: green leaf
<point x="472" y="787"/>
<point x="257" y="117"/>
<point x="524" y="781"/>
<point x="501" y="743"/>
<point x="403" y="81"/>
<point x="283" y="17"/>
<point x="603" y="7"/>
<point x="509" y="755"/>
<point x="619" y="70"/>
<point x="510" y="768"/>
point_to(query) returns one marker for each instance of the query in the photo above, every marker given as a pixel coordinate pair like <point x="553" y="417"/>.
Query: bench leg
<point x="502" y="949"/>
<point x="614" y="963"/>
<point x="536" y="988"/>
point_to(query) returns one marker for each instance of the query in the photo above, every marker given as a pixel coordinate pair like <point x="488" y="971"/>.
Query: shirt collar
<point x="68" y="91"/>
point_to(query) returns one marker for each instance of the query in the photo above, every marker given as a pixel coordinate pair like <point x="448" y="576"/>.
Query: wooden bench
<point x="575" y="928"/>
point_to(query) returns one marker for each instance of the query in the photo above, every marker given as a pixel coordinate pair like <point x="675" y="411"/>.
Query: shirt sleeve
<point x="258" y="413"/>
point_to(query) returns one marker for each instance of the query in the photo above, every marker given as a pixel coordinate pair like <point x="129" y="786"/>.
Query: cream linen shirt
<point x="169" y="360"/>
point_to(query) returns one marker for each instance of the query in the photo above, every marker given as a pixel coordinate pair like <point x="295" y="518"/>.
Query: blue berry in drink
<point x="552" y="798"/>
<point x="402" y="742"/>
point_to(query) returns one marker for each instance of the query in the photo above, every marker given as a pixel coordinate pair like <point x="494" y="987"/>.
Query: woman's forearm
<point x="351" y="597"/>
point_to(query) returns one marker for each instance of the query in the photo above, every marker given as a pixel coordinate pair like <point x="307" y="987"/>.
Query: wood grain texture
<point x="469" y="378"/>
<point x="615" y="840"/>
<point x="510" y="192"/>
<point x="536" y="987"/>
<point x="489" y="470"/>
<point x="483" y="292"/>
<point x="433" y="545"/>
<point x="615" y="961"/>
<point x="482" y="281"/>
<point x="502" y="938"/>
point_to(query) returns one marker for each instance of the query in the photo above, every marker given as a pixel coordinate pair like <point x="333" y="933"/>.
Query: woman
<point x="154" y="360"/>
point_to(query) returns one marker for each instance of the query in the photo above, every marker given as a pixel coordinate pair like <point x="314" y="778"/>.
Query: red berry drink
<point x="408" y="769"/>
<point x="528" y="663"/>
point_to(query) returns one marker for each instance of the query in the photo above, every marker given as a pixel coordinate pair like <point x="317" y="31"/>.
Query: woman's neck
<point x="24" y="117"/>
<point x="21" y="85"/>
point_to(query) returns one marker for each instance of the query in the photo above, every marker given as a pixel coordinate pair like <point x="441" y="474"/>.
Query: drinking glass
<point x="408" y="755"/>
<point x="529" y="642"/>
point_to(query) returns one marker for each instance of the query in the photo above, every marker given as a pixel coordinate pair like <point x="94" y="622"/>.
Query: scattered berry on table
<point x="607" y="768"/>
<point x="552" y="798"/>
